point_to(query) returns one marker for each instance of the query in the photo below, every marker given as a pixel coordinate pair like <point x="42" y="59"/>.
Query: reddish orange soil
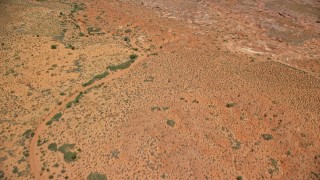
<point x="217" y="89"/>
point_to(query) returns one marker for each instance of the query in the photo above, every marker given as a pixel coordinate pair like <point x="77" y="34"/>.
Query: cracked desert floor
<point x="159" y="89"/>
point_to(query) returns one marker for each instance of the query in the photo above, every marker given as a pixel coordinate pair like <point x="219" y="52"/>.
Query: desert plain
<point x="155" y="89"/>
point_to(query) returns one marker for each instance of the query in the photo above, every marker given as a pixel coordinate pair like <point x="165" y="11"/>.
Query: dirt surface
<point x="154" y="89"/>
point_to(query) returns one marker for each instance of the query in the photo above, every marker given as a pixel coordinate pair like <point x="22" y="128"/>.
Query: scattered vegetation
<point x="274" y="167"/>
<point x="230" y="104"/>
<point x="75" y="101"/>
<point x="15" y="169"/>
<point x="120" y="66"/>
<point x="133" y="56"/>
<point x="95" y="78"/>
<point x="41" y="142"/>
<point x="156" y="108"/>
<point x="28" y="134"/>
<point x="53" y="46"/>
<point x="54" y="118"/>
<point x="70" y="46"/>
<point x="267" y="137"/>
<point x="235" y="144"/>
<point x="171" y="122"/>
<point x="77" y="7"/>
<point x="96" y="176"/>
<point x="95" y="30"/>
<point x="127" y="39"/>
<point x="127" y="30"/>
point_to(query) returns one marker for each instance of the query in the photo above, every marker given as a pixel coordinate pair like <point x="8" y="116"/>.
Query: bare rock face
<point x="154" y="89"/>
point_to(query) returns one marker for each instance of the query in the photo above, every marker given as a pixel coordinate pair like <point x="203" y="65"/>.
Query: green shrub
<point x="70" y="156"/>
<point x="28" y="134"/>
<point x="230" y="104"/>
<point x="267" y="137"/>
<point x="121" y="66"/>
<point x="95" y="78"/>
<point x="77" y="7"/>
<point x="54" y="118"/>
<point x="53" y="147"/>
<point x="53" y="46"/>
<point x="75" y="101"/>
<point x="133" y="56"/>
<point x="171" y="122"/>
<point x="127" y="39"/>
<point x="96" y="176"/>
<point x="15" y="169"/>
<point x="65" y="147"/>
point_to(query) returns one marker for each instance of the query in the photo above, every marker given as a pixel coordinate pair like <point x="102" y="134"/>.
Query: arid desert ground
<point x="159" y="89"/>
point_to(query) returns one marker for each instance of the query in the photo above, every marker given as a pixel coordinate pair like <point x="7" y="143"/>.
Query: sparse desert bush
<point x="70" y="46"/>
<point x="95" y="78"/>
<point x="53" y="46"/>
<point x="96" y="176"/>
<point x="15" y="169"/>
<point x="75" y="101"/>
<point x="171" y="122"/>
<point x="133" y="56"/>
<point x="127" y="39"/>
<point x="230" y="104"/>
<point x="41" y="142"/>
<point x="54" y="118"/>
<point x="28" y="134"/>
<point x="77" y="7"/>
<point x="267" y="137"/>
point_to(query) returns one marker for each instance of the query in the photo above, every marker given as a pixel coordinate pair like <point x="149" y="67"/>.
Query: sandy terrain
<point x="154" y="89"/>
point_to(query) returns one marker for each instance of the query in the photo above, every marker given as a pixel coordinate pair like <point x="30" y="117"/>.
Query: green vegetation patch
<point x="96" y="176"/>
<point x="274" y="167"/>
<point x="75" y="101"/>
<point x="77" y="7"/>
<point x="53" y="147"/>
<point x="54" y="118"/>
<point x="230" y="104"/>
<point x="171" y="122"/>
<point x="124" y="65"/>
<point x="267" y="137"/>
<point x="96" y="78"/>
<point x="40" y="141"/>
<point x="15" y="170"/>
<point x="54" y="46"/>
<point x="65" y="147"/>
<point x="28" y="134"/>
<point x="157" y="108"/>
<point x="235" y="144"/>
<point x="68" y="155"/>
<point x="95" y="31"/>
